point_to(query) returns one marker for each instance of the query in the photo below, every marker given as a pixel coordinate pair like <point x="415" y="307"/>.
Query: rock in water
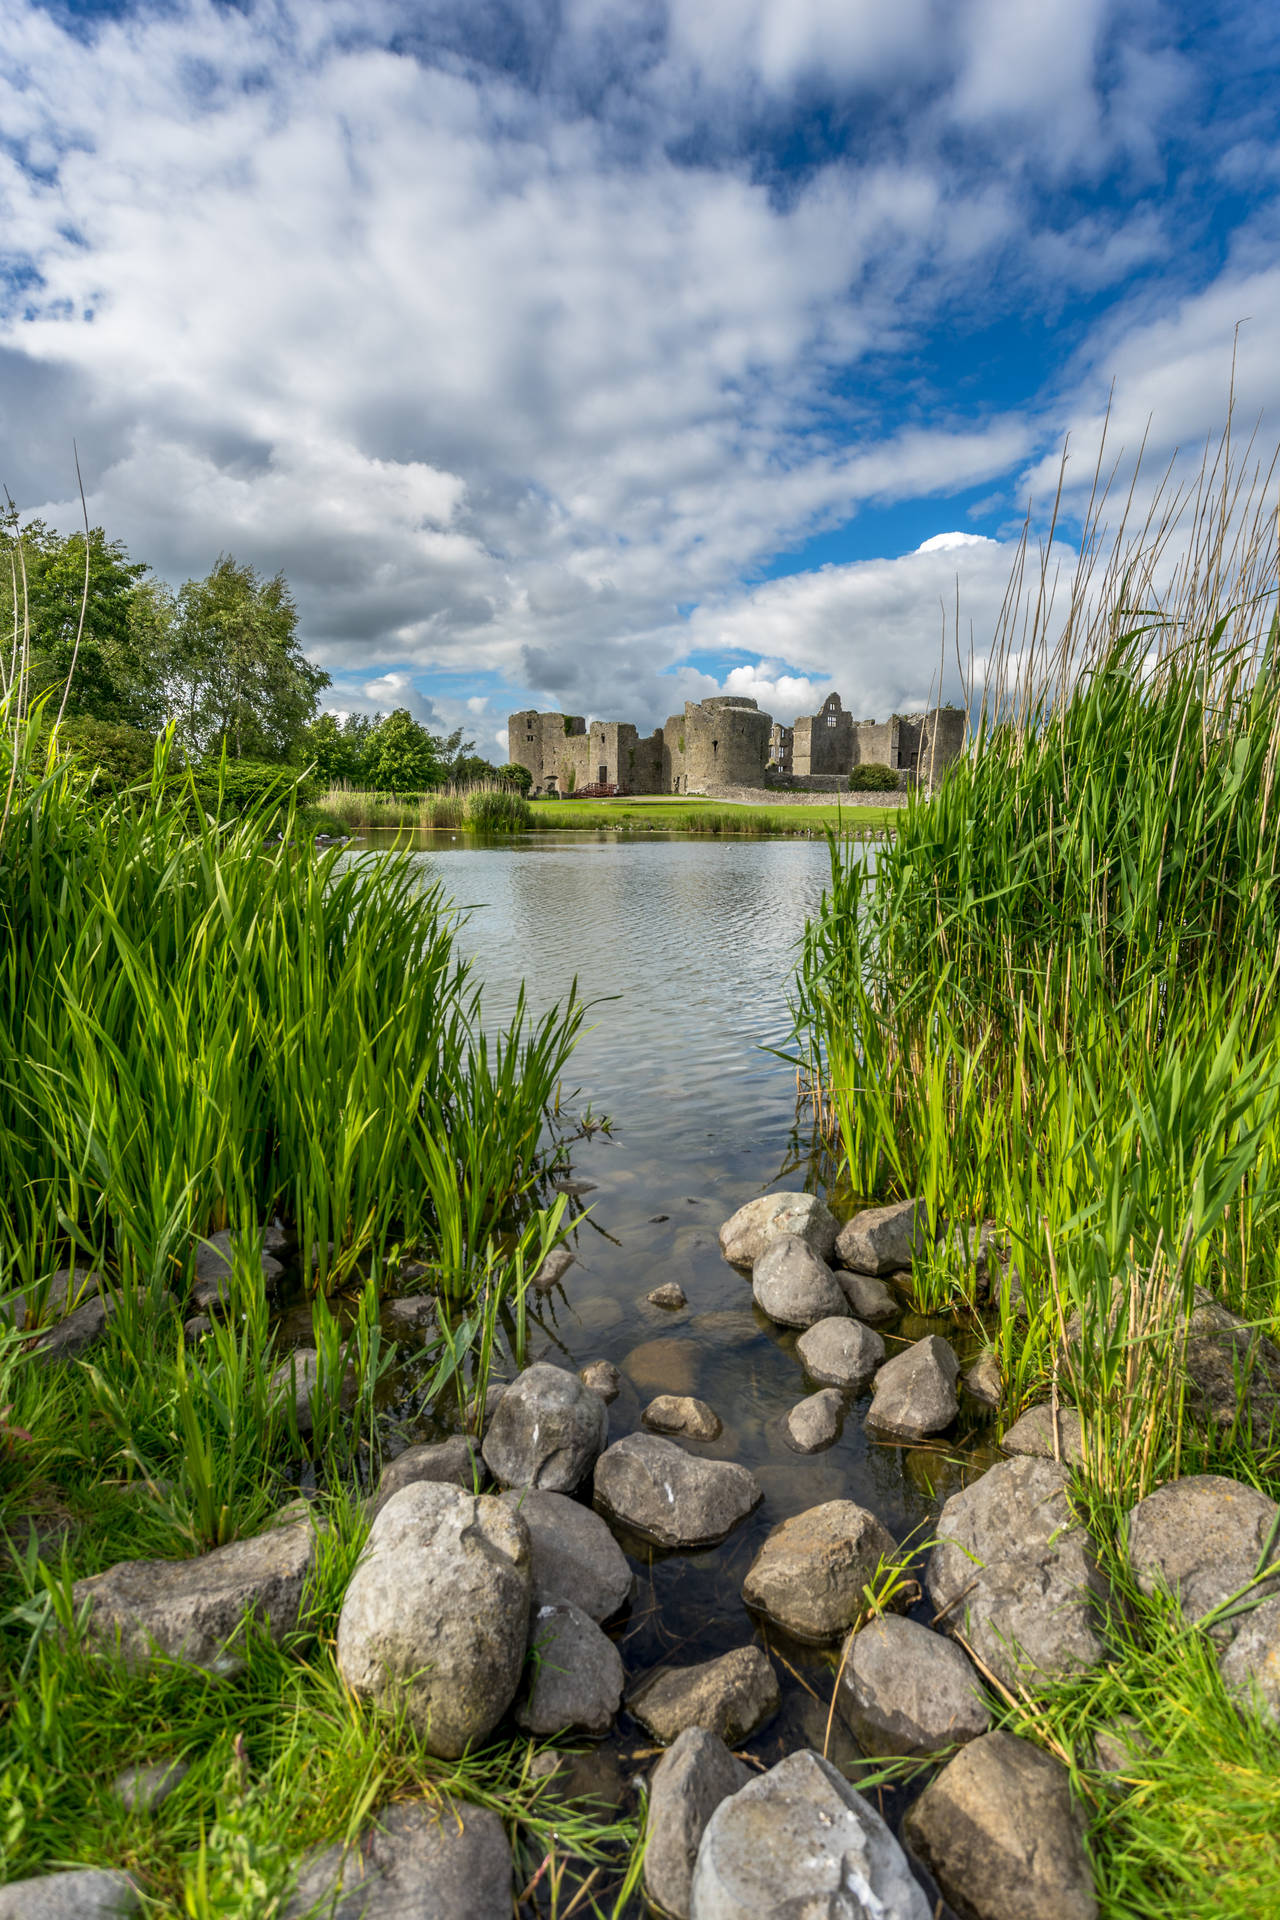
<point x="547" y="1431"/>
<point x="983" y="1382"/>
<point x="1034" y="1433"/>
<point x="905" y="1690"/>
<point x="798" y="1840"/>
<point x="869" y="1299"/>
<point x="1000" y="1833"/>
<point x="731" y="1696"/>
<point x="437" y="1860"/>
<point x="810" y="1572"/>
<point x="603" y="1378"/>
<point x="436" y="1614"/>
<point x="1201" y="1538"/>
<point x="815" y="1422"/>
<point x="793" y="1286"/>
<point x="681" y="1413"/>
<point x="670" y="1295"/>
<point x="744" y="1237"/>
<point x="884" y="1239"/>
<point x="1014" y="1571"/>
<point x="455" y="1462"/>
<point x="194" y="1610"/>
<point x="87" y="1893"/>
<point x="575" y="1557"/>
<point x="552" y="1271"/>
<point x="840" y="1352"/>
<point x="916" y="1391"/>
<point x="685" y="1788"/>
<point x="679" y="1501"/>
<point x="577" y="1675"/>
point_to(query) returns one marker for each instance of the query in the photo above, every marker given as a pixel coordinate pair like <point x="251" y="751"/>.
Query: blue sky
<point x="601" y="353"/>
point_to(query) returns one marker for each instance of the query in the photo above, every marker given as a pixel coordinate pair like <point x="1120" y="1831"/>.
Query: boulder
<point x="1014" y="1571"/>
<point x="681" y="1413"/>
<point x="552" y="1271"/>
<point x="1250" y="1667"/>
<point x="884" y="1239"/>
<point x="687" y="1785"/>
<point x="1034" y="1434"/>
<point x="410" y="1317"/>
<point x="793" y="1286"/>
<point x="1202" y="1538"/>
<point x="576" y="1676"/>
<point x="575" y="1557"/>
<point x="52" y="1299"/>
<point x="840" y="1352"/>
<point x="746" y="1234"/>
<point x="86" y="1893"/>
<point x="297" y="1378"/>
<point x="815" y="1422"/>
<point x="603" y="1378"/>
<point x="730" y="1697"/>
<point x="800" y="1841"/>
<point x="1000" y="1833"/>
<point x="671" y="1496"/>
<point x="906" y="1691"/>
<point x="869" y="1299"/>
<point x="435" y="1617"/>
<point x="916" y="1391"/>
<point x="670" y="1295"/>
<point x="211" y="1286"/>
<point x="982" y="1382"/>
<point x="455" y="1462"/>
<point x="422" y="1860"/>
<point x="143" y="1789"/>
<point x="810" y="1572"/>
<point x="1233" y="1372"/>
<point x="195" y="1610"/>
<point x="547" y="1431"/>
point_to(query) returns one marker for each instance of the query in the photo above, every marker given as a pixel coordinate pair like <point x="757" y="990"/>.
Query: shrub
<point x="873" y="778"/>
<point x="515" y="776"/>
<point x="227" y="789"/>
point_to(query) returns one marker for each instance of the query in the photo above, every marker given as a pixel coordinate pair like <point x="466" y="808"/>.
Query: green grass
<point x="641" y="813"/>
<point x="1054" y="1004"/>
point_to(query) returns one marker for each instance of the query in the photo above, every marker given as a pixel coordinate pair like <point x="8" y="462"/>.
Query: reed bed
<point x="1051" y="1006"/>
<point x="485" y="807"/>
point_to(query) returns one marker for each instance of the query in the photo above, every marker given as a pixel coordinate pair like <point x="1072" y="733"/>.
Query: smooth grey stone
<point x="799" y="1841"/>
<point x="1014" y="1571"/>
<point x="194" y="1610"/>
<point x="409" y="1317"/>
<point x="53" y="1298"/>
<point x="1233" y="1372"/>
<point x="681" y="1413"/>
<point x="815" y="1422"/>
<point x="793" y="1286"/>
<point x="840" y="1352"/>
<point x="746" y="1234"/>
<point x="884" y="1239"/>
<point x="983" y="1383"/>
<point x="1034" y="1434"/>
<point x="454" y="1462"/>
<point x="547" y="1431"/>
<point x="421" y="1860"/>
<point x="198" y="1324"/>
<point x="810" y="1572"/>
<point x="906" y="1691"/>
<point x="577" y="1678"/>
<point x="695" y="1774"/>
<point x="730" y="1696"/>
<point x="1202" y="1539"/>
<point x="552" y="1270"/>
<point x="674" y="1497"/>
<point x="670" y="1295"/>
<point x="435" y="1617"/>
<point x="916" y="1391"/>
<point x="1250" y="1667"/>
<point x="297" y="1377"/>
<point x="603" y="1378"/>
<point x="1002" y="1836"/>
<point x="869" y="1299"/>
<point x="575" y="1557"/>
<point x="86" y="1893"/>
<point x="145" y="1788"/>
<point x="214" y="1255"/>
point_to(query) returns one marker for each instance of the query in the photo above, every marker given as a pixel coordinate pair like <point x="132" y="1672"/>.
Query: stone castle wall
<point x="723" y="742"/>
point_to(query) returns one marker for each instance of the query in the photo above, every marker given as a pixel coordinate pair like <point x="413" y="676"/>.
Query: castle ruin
<point x="727" y="741"/>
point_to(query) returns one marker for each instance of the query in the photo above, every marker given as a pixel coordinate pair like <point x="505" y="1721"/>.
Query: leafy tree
<point x="239" y="681"/>
<point x="469" y="769"/>
<point x="514" y="775"/>
<point x="402" y="756"/>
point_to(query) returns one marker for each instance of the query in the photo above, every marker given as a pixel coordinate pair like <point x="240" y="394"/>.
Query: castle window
<point x="831" y="719"/>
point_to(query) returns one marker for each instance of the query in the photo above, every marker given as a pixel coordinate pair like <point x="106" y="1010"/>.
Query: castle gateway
<point x="725" y="742"/>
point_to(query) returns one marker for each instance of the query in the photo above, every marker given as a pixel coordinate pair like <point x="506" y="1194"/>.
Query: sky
<point x="602" y="354"/>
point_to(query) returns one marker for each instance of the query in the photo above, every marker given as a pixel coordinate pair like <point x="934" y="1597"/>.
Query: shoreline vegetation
<point x="465" y="810"/>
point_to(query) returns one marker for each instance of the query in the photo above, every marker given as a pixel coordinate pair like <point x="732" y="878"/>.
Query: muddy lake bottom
<point x="686" y="949"/>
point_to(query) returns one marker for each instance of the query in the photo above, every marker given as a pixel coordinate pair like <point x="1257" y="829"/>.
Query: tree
<point x="402" y="756"/>
<point x="469" y="769"/>
<point x="514" y="775"/>
<point x="239" y="681"/>
<point x="118" y="668"/>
